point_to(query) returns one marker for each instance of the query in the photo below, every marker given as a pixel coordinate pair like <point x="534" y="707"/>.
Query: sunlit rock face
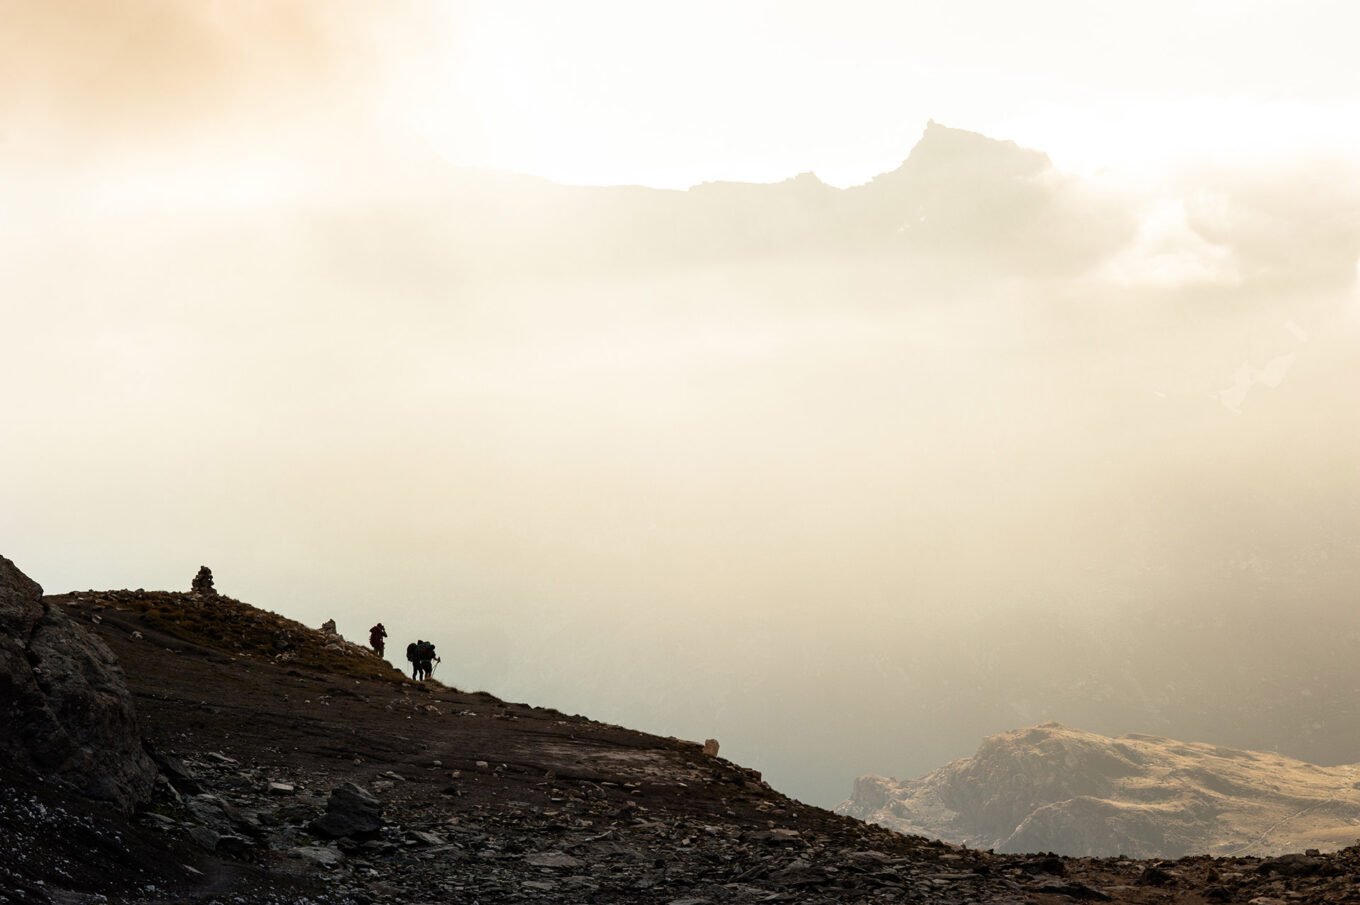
<point x="65" y="708"/>
<point x="1051" y="788"/>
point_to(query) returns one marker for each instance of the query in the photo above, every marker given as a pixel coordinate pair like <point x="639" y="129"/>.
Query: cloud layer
<point x="930" y="452"/>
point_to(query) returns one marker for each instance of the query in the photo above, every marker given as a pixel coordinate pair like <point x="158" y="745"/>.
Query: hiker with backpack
<point x="426" y="656"/>
<point x="375" y="638"/>
<point x="422" y="656"/>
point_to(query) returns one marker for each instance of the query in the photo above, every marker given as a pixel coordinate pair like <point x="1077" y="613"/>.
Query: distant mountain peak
<point x="943" y="149"/>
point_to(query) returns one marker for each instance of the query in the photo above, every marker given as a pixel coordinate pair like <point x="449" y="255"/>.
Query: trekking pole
<point x="435" y="664"/>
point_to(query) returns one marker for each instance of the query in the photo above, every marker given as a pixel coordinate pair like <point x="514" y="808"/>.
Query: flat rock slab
<point x="553" y="859"/>
<point x="320" y="855"/>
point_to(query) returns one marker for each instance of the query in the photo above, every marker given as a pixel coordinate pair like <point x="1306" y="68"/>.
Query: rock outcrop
<point x="1051" y="788"/>
<point x="65" y="707"/>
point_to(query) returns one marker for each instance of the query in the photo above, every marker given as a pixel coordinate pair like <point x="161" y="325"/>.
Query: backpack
<point x="411" y="651"/>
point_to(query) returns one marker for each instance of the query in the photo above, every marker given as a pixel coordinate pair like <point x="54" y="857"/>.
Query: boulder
<point x="173" y="769"/>
<point x="65" y="706"/>
<point x="350" y="812"/>
<point x="1292" y="865"/>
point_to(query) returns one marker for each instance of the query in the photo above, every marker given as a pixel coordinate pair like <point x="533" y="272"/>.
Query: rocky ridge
<point x="1052" y="788"/>
<point x="342" y="782"/>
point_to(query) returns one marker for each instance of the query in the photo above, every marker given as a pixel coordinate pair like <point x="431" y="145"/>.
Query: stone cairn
<point x="203" y="582"/>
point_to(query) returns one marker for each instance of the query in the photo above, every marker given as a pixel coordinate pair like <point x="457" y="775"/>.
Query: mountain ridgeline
<point x="959" y="200"/>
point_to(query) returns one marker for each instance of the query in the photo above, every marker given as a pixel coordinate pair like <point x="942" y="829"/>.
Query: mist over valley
<point x="876" y="437"/>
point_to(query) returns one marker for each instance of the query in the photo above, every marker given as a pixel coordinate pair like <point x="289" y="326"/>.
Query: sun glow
<point x="607" y="93"/>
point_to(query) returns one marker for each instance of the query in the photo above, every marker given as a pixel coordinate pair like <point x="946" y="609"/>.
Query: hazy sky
<point x="672" y="94"/>
<point x="703" y="462"/>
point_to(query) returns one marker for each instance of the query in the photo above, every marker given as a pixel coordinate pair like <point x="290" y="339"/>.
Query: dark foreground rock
<point x="66" y="710"/>
<point x="483" y="801"/>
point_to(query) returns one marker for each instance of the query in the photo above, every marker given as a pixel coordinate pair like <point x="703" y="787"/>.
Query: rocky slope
<point x="295" y="767"/>
<point x="1051" y="788"/>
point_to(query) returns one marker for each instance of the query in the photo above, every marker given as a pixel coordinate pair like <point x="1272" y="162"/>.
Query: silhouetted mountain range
<point x="959" y="199"/>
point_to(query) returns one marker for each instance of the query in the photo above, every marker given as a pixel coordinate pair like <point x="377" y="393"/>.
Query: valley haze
<point x="848" y="473"/>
